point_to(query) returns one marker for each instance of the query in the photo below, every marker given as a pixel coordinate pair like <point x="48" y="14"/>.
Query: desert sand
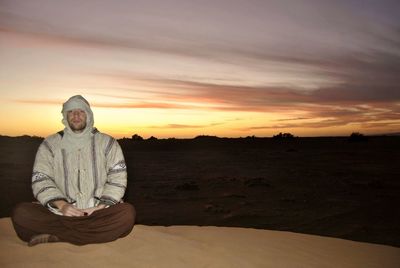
<point x="194" y="246"/>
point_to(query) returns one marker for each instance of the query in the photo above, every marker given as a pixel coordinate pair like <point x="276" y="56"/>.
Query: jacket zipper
<point x="79" y="180"/>
<point x="79" y="171"/>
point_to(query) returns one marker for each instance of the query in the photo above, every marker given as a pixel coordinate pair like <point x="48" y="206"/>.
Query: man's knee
<point x="21" y="212"/>
<point x="128" y="213"/>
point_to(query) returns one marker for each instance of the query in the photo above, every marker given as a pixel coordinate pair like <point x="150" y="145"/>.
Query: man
<point x="79" y="177"/>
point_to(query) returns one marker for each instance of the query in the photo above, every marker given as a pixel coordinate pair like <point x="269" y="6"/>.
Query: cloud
<point x="329" y="107"/>
<point x="329" y="117"/>
<point x="183" y="126"/>
<point x="319" y="124"/>
<point x="352" y="62"/>
<point x="292" y="119"/>
<point x="325" y="107"/>
<point x="230" y="40"/>
<point x="274" y="96"/>
<point x="52" y="33"/>
<point x="40" y="102"/>
<point x="110" y="105"/>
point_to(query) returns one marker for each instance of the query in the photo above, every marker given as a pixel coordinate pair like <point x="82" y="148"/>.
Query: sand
<point x="194" y="246"/>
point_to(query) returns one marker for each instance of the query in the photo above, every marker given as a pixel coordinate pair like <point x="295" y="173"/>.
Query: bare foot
<point x="43" y="238"/>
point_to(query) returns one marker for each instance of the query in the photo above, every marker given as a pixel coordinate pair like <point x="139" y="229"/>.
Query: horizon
<point x="391" y="134"/>
<point x="219" y="68"/>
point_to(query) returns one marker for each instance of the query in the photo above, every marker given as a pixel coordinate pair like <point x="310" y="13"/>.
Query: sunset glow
<point x="187" y="68"/>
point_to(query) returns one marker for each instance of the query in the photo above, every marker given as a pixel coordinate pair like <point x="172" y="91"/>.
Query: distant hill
<point x="388" y="134"/>
<point x="23" y="137"/>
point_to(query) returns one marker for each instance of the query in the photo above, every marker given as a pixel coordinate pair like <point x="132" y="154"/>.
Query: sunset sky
<point x="185" y="68"/>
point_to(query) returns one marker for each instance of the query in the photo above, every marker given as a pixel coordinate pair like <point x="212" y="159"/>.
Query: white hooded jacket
<point x="84" y="168"/>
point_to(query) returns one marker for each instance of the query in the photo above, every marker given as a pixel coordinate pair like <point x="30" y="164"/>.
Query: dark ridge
<point x="321" y="185"/>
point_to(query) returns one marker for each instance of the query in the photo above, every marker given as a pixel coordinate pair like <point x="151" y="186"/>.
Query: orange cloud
<point x="186" y="126"/>
<point x="138" y="105"/>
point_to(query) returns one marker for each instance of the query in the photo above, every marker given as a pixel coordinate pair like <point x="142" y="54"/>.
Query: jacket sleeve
<point x="114" y="188"/>
<point x="44" y="187"/>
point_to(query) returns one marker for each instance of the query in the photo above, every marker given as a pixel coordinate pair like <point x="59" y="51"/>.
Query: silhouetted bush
<point x="206" y="137"/>
<point x="136" y="137"/>
<point x="283" y="136"/>
<point x="357" y="137"/>
<point x="152" y="138"/>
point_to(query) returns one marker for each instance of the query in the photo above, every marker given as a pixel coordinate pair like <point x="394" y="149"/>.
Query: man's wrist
<point x="59" y="204"/>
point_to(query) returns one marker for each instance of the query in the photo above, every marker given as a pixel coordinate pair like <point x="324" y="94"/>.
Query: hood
<point x="78" y="102"/>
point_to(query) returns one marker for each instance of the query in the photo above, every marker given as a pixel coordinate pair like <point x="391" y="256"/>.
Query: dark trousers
<point x="101" y="226"/>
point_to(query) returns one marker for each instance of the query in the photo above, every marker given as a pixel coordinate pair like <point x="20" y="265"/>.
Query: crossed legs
<point x="33" y="220"/>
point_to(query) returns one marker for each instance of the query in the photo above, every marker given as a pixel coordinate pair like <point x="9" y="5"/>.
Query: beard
<point x="77" y="127"/>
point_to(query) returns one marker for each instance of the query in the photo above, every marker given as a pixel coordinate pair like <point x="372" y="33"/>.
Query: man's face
<point x="77" y="120"/>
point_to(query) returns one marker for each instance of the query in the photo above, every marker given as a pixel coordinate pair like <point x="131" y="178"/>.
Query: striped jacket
<point x="95" y="174"/>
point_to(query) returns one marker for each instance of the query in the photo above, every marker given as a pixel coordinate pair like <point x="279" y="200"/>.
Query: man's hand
<point x="89" y="211"/>
<point x="72" y="211"/>
<point x="68" y="210"/>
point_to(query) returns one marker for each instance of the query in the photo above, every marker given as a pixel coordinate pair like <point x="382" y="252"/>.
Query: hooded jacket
<point x="84" y="168"/>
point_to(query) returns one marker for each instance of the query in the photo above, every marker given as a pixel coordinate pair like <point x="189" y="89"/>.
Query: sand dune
<point x="193" y="246"/>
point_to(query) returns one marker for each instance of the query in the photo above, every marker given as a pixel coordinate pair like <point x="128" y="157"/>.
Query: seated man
<point x="79" y="178"/>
